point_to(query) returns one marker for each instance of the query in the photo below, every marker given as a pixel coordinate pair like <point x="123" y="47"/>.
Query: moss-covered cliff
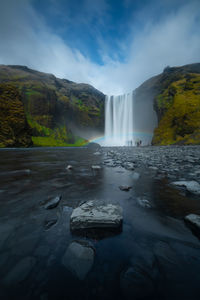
<point x="57" y="112"/>
<point x="14" y="129"/>
<point x="176" y="97"/>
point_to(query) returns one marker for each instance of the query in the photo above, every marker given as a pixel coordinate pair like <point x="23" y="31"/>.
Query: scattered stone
<point x="153" y="168"/>
<point x="95" y="167"/>
<point x="125" y="188"/>
<point x="92" y="215"/>
<point x="49" y="222"/>
<point x="144" y="203"/>
<point x="192" y="186"/>
<point x="129" y="166"/>
<point x="79" y="258"/>
<point x="69" y="167"/>
<point x="53" y="202"/>
<point x="20" y="271"/>
<point x="194" y="221"/>
<point x="97" y="153"/>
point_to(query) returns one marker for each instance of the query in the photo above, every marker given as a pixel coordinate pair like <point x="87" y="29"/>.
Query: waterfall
<point x="119" y="125"/>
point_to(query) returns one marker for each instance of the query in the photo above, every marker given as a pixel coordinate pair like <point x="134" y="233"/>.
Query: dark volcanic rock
<point x="53" y="202"/>
<point x="125" y="188"/>
<point x="79" y="258"/>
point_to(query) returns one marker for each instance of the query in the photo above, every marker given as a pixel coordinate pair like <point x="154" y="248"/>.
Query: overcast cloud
<point x="25" y="39"/>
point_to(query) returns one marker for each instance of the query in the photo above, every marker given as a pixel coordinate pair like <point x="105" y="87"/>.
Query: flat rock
<point x="91" y="215"/>
<point x="192" y="186"/>
<point x="53" y="202"/>
<point x="20" y="271"/>
<point x="125" y="188"/>
<point x="96" y="167"/>
<point x="79" y="259"/>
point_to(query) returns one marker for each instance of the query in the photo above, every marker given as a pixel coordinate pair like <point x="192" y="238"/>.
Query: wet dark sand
<point x="157" y="234"/>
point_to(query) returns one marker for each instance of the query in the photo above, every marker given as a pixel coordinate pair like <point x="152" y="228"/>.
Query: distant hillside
<point x="176" y="96"/>
<point x="51" y="111"/>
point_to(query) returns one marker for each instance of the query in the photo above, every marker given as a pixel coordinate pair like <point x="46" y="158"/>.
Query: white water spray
<point x="129" y="120"/>
<point x="119" y="126"/>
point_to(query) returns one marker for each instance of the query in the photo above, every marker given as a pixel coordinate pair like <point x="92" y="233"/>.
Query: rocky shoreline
<point x="154" y="190"/>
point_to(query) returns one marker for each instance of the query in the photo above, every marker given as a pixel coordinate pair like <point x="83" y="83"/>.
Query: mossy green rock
<point x="58" y="111"/>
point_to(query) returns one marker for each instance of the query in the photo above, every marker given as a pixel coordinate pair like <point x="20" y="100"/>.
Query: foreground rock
<point x="79" y="258"/>
<point x="53" y="202"/>
<point x="125" y="188"/>
<point x="192" y="186"/>
<point x="92" y="215"/>
<point x="193" y="221"/>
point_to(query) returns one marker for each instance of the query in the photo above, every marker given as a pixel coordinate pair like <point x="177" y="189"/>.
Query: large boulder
<point x="91" y="215"/>
<point x="192" y="186"/>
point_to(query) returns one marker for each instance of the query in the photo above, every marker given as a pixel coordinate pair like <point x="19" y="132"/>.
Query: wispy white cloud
<point x="173" y="40"/>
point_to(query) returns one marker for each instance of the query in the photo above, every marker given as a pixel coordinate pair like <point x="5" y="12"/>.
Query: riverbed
<point x="154" y="236"/>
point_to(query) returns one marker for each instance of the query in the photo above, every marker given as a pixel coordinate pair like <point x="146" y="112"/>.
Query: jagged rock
<point x="53" y="202"/>
<point x="91" y="215"/>
<point x="191" y="186"/>
<point x="125" y="188"/>
<point x="79" y="258"/>
<point x="20" y="271"/>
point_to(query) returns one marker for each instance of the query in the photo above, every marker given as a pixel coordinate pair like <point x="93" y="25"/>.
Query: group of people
<point x="137" y="143"/>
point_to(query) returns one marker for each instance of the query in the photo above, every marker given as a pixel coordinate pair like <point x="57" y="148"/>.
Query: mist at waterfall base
<point x="128" y="121"/>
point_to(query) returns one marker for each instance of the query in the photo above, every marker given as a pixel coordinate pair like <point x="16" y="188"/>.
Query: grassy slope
<point x="52" y="105"/>
<point x="179" y="108"/>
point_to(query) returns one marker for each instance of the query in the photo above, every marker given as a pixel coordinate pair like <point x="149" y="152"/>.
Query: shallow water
<point x="28" y="177"/>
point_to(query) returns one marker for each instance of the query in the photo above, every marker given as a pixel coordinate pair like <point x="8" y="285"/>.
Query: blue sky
<point x="113" y="45"/>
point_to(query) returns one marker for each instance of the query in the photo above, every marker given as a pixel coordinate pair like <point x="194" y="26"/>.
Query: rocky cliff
<point x="176" y="97"/>
<point x="40" y="109"/>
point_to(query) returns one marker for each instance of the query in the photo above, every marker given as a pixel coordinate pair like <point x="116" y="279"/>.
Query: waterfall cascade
<point x="128" y="120"/>
<point x="119" y="126"/>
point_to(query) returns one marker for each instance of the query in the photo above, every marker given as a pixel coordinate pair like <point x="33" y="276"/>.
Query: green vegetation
<point x="52" y="142"/>
<point x="14" y="130"/>
<point x="179" y="109"/>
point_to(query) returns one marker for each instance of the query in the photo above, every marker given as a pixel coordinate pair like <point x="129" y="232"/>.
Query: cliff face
<point x="14" y="129"/>
<point x="57" y="112"/>
<point x="176" y="97"/>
